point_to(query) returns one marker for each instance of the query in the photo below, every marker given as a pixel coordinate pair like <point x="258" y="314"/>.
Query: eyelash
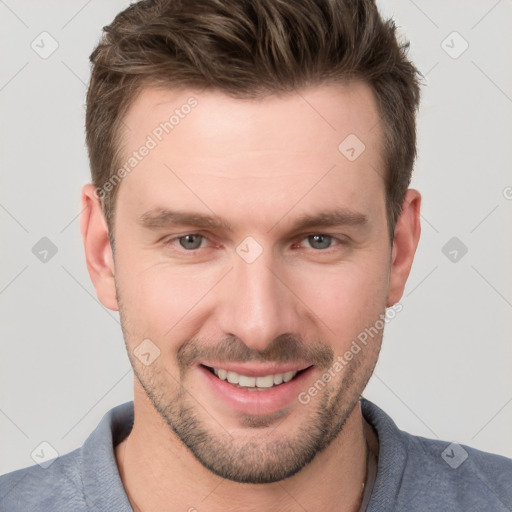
<point x="338" y="242"/>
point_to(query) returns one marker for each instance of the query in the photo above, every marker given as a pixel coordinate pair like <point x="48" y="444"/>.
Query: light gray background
<point x="444" y="371"/>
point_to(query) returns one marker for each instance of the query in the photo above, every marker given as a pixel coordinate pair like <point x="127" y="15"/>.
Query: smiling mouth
<point x="260" y="383"/>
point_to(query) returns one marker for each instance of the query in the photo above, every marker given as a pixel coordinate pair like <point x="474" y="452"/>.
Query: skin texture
<point x="259" y="165"/>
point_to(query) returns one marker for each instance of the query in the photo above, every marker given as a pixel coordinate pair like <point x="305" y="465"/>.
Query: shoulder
<point x="416" y="473"/>
<point x="56" y="487"/>
<point x="86" y="479"/>
<point x="447" y="473"/>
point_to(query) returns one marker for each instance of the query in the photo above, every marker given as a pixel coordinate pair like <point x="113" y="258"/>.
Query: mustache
<point x="283" y="349"/>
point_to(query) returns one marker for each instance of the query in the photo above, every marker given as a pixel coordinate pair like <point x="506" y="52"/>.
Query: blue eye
<point x="320" y="241"/>
<point x="191" y="242"/>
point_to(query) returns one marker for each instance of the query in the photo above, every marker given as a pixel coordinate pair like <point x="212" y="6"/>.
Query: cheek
<point x="165" y="303"/>
<point x="345" y="299"/>
<point x="160" y="301"/>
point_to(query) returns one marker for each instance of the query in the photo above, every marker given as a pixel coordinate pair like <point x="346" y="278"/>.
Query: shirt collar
<point x="104" y="489"/>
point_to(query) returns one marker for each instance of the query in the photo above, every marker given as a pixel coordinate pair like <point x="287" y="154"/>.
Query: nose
<point x="255" y="304"/>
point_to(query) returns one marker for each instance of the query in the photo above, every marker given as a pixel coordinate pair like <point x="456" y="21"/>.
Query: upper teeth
<point x="265" y="381"/>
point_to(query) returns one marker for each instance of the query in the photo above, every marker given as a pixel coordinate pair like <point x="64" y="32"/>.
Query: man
<point x="250" y="218"/>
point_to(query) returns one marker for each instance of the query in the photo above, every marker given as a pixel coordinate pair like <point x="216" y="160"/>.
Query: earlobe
<point x="405" y="242"/>
<point x="98" y="253"/>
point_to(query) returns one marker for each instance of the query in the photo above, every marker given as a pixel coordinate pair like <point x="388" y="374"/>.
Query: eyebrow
<point x="338" y="217"/>
<point x="164" y="218"/>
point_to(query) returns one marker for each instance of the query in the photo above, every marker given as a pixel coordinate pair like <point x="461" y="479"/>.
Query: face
<point x="250" y="253"/>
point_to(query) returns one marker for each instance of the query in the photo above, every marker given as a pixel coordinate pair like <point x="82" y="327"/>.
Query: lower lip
<point x="256" y="402"/>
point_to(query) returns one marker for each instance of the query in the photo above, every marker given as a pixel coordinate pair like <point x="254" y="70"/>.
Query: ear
<point x="405" y="241"/>
<point x="98" y="253"/>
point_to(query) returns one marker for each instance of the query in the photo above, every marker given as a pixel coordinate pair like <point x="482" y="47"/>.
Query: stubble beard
<point x="270" y="453"/>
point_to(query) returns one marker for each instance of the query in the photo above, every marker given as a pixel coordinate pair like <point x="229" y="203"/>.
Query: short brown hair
<point x="249" y="49"/>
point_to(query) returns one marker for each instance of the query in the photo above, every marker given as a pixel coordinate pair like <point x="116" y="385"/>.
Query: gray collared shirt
<point x="413" y="474"/>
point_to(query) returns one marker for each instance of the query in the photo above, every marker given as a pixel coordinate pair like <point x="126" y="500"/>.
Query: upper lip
<point x="256" y="370"/>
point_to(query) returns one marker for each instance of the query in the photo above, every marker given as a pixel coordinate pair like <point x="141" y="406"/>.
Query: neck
<point x="160" y="473"/>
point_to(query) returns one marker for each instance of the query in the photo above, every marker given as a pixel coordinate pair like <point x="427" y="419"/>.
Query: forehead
<point x="205" y="146"/>
<point x="327" y="112"/>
